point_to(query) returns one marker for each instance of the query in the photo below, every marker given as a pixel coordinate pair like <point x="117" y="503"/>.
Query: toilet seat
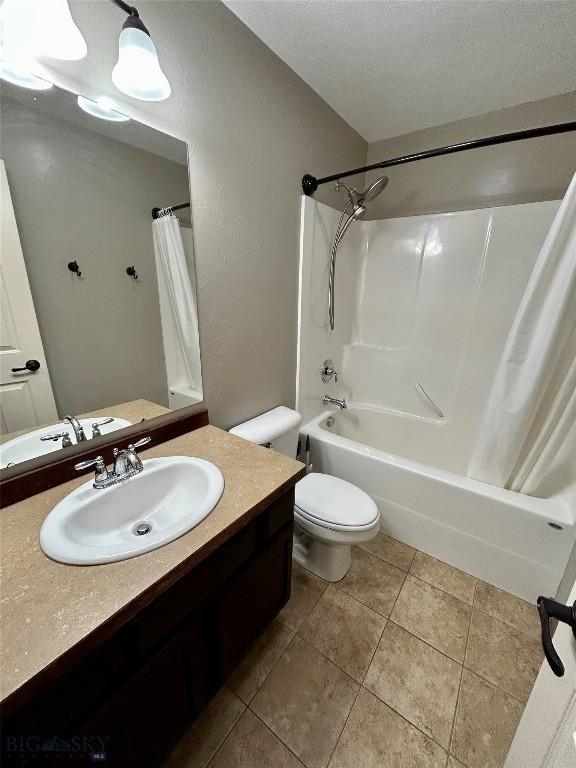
<point x="330" y="502"/>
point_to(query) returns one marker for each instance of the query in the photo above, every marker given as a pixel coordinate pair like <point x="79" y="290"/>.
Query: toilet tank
<point x="277" y="429"/>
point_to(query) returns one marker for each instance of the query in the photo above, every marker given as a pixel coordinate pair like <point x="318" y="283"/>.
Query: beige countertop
<point x="133" y="411"/>
<point x="46" y="608"/>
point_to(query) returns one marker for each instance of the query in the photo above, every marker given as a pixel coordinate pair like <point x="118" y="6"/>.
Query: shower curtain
<point x="528" y="436"/>
<point x="170" y="255"/>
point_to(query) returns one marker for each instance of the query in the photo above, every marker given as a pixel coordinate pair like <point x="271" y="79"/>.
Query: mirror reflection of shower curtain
<point x="527" y="440"/>
<point x="171" y="258"/>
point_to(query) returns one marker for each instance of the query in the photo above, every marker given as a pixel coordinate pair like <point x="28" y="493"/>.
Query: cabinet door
<point x="142" y="715"/>
<point x="250" y="600"/>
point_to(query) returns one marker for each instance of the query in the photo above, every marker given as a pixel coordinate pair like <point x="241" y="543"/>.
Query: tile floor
<point x="405" y="663"/>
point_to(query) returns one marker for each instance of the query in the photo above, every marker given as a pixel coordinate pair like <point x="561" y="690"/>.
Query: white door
<point x="26" y="398"/>
<point x="546" y="736"/>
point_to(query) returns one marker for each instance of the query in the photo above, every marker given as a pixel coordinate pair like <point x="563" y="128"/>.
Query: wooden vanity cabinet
<point x="141" y="686"/>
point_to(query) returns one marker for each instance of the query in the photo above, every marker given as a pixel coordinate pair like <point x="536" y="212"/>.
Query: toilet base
<point x="329" y="561"/>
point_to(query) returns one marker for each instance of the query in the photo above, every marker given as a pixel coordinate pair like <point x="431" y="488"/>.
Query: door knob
<point x="30" y="365"/>
<point x="550" y="609"/>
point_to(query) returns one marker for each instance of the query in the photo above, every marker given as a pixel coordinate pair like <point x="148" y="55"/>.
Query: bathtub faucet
<point x="327" y="400"/>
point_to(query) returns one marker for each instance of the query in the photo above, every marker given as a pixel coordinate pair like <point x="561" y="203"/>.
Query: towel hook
<point x="73" y="267"/>
<point x="132" y="272"/>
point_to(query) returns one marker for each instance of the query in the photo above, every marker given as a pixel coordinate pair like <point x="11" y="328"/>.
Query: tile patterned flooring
<point x="405" y="663"/>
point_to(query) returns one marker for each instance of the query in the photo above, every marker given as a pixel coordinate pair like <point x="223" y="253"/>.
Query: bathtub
<point x="516" y="542"/>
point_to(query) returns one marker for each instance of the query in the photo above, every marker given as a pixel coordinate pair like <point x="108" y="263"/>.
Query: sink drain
<point x="141" y="529"/>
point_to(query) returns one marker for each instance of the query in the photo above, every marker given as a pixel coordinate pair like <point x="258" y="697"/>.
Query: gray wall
<point x="253" y="128"/>
<point x="81" y="196"/>
<point x="523" y="172"/>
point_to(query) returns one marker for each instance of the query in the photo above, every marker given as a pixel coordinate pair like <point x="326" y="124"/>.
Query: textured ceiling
<point x="389" y="67"/>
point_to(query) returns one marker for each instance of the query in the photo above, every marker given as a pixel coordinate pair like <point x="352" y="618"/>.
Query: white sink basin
<point x="29" y="446"/>
<point x="171" y="495"/>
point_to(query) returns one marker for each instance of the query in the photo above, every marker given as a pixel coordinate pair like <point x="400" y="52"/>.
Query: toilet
<point x="330" y="514"/>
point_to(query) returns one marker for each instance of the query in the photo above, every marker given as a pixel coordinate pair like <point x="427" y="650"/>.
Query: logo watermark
<point x="92" y="747"/>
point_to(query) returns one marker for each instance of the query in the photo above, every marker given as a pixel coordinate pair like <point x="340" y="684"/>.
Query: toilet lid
<point x="328" y="500"/>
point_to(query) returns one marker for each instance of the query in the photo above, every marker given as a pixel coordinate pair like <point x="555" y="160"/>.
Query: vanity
<point x="110" y="662"/>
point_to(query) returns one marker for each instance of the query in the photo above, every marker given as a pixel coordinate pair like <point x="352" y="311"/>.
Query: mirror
<point x="98" y="304"/>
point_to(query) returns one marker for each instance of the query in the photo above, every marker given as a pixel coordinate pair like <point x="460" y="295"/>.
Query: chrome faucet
<point x="127" y="463"/>
<point x="327" y="400"/>
<point x="77" y="427"/>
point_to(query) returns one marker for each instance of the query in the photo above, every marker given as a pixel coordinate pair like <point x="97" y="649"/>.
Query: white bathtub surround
<point x="178" y="312"/>
<point x="430" y="300"/>
<point x="531" y="412"/>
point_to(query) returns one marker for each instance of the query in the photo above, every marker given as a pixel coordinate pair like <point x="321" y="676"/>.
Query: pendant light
<point x="18" y="36"/>
<point x="19" y="75"/>
<point x="101" y="108"/>
<point x="137" y="72"/>
<point x="46" y="28"/>
<point x="58" y="36"/>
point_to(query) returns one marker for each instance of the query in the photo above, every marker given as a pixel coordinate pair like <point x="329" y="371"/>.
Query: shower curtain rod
<point x="157" y="212"/>
<point x="310" y="183"/>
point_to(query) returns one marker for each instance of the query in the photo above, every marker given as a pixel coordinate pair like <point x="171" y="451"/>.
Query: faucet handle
<point x="140" y="443"/>
<point x="66" y="442"/>
<point x="53" y="436"/>
<point x="328" y="371"/>
<point x="97" y="462"/>
<point x="97" y="424"/>
<point x="132" y="446"/>
<point x="102" y="476"/>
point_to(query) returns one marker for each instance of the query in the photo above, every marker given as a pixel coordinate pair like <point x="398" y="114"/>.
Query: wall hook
<point x="132" y="272"/>
<point x="73" y="267"/>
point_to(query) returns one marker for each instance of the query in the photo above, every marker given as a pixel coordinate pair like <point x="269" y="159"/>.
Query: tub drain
<point x="141" y="529"/>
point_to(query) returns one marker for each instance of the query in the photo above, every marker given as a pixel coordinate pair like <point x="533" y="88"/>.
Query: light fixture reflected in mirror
<point x="137" y="72"/>
<point x="101" y="108"/>
<point x="58" y="36"/>
<point x="18" y="75"/>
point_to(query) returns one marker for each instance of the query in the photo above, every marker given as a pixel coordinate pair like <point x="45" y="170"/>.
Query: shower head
<point x="368" y="195"/>
<point x="375" y="189"/>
